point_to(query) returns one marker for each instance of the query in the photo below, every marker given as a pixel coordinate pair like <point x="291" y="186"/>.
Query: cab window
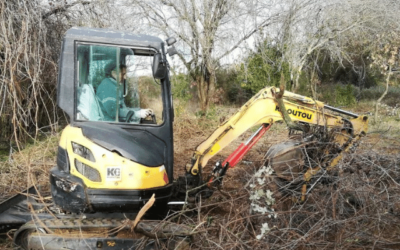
<point x="115" y="84"/>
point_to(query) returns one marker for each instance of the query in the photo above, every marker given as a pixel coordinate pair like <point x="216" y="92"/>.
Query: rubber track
<point x="165" y="229"/>
<point x="73" y="224"/>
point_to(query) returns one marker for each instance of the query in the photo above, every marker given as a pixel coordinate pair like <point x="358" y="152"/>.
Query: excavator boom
<point x="268" y="106"/>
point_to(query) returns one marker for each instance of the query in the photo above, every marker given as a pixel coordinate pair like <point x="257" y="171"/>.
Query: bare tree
<point x="208" y="31"/>
<point x="309" y="26"/>
<point x="334" y="27"/>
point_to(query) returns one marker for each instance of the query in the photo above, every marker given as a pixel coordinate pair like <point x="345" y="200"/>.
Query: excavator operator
<point x="107" y="92"/>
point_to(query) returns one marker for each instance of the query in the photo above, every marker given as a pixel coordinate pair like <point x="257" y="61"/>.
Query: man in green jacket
<point x="107" y="93"/>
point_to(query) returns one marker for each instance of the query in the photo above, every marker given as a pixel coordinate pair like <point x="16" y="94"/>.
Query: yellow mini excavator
<point x="117" y="150"/>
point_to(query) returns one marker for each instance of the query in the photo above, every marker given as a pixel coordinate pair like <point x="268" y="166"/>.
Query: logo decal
<point x="114" y="173"/>
<point x="297" y="113"/>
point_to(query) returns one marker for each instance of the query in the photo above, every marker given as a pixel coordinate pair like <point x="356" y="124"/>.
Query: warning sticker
<point x="113" y="173"/>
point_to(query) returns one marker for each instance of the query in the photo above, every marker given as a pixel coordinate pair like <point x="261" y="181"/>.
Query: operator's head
<point x="122" y="72"/>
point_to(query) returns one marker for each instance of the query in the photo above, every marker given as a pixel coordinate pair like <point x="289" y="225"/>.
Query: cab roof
<point x="109" y="36"/>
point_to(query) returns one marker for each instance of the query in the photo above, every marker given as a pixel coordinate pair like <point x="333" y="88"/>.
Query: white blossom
<point x="264" y="229"/>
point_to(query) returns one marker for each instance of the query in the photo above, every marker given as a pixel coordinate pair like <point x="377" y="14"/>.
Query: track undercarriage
<point x="41" y="227"/>
<point x="100" y="233"/>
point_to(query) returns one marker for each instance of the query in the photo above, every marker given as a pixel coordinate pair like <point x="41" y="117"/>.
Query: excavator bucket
<point x="286" y="159"/>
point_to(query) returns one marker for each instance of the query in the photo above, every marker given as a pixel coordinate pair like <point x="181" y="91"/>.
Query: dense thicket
<point x="27" y="95"/>
<point x="30" y="39"/>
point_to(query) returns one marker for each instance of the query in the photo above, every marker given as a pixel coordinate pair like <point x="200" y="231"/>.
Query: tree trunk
<point x="383" y="95"/>
<point x="313" y="84"/>
<point x="205" y="89"/>
<point x="298" y="73"/>
<point x="291" y="79"/>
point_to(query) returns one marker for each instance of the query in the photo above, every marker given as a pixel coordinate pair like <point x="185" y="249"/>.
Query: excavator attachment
<point x="323" y="135"/>
<point x="296" y="161"/>
<point x="287" y="160"/>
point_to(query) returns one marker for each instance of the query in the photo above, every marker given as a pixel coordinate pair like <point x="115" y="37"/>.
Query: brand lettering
<point x="113" y="173"/>
<point x="296" y="113"/>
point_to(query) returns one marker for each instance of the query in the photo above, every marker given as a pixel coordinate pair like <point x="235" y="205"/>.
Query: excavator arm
<point x="267" y="107"/>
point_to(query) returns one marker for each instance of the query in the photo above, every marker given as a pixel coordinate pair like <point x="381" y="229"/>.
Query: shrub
<point x="345" y="95"/>
<point x="181" y="87"/>
<point x="337" y="94"/>
<point x="263" y="67"/>
<point x="392" y="97"/>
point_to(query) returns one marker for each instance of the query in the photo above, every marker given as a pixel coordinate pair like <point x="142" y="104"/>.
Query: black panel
<point x="137" y="145"/>
<point x="68" y="191"/>
<point x="62" y="160"/>
<point x="128" y="200"/>
<point x="14" y="200"/>
<point x="14" y="212"/>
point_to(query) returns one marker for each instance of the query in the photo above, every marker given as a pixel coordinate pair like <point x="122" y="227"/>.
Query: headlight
<point x="87" y="171"/>
<point x="82" y="151"/>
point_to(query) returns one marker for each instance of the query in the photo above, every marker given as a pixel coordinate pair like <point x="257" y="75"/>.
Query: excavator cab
<point x="118" y="148"/>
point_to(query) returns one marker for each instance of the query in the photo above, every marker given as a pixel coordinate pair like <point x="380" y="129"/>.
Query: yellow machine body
<point x="133" y="176"/>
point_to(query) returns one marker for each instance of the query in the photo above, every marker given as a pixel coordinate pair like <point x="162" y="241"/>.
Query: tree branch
<point x="264" y="24"/>
<point x="63" y="8"/>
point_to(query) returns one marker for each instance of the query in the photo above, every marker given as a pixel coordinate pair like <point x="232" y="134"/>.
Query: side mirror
<point x="172" y="51"/>
<point x="170" y="41"/>
<point x="159" y="67"/>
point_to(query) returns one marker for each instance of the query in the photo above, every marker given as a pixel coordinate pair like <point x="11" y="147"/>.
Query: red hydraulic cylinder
<point x="238" y="154"/>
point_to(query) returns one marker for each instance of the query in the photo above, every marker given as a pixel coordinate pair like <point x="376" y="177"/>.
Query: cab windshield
<point x="115" y="84"/>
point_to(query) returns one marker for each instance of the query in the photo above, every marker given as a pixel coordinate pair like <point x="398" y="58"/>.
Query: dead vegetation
<point x="356" y="206"/>
<point x="28" y="167"/>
